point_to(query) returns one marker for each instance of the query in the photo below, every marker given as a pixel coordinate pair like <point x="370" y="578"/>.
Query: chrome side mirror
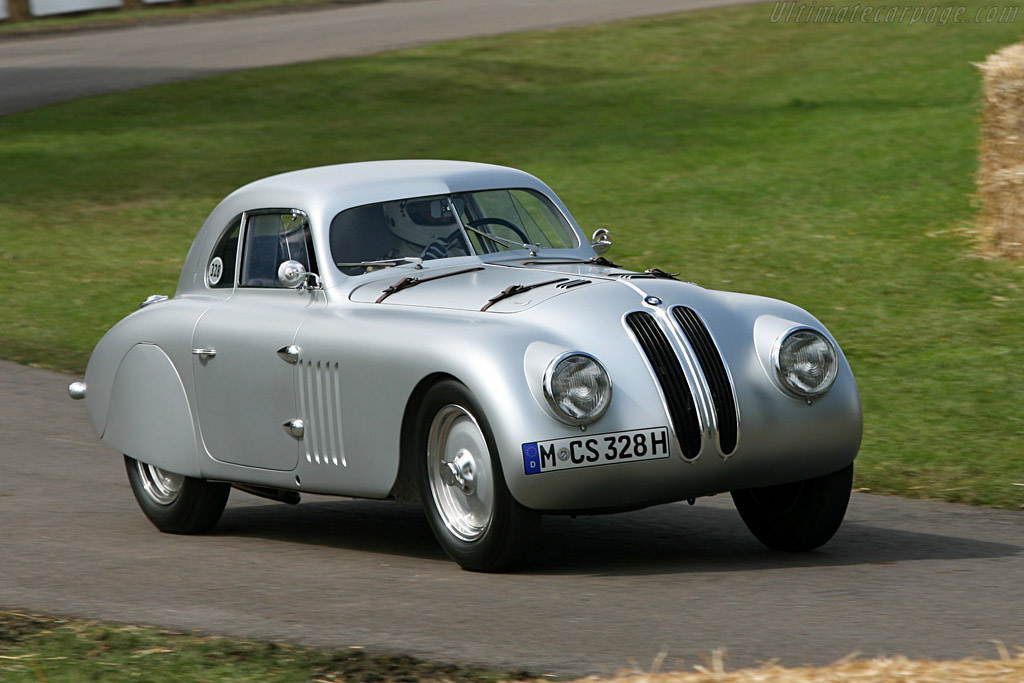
<point x="601" y="241"/>
<point x="291" y="274"/>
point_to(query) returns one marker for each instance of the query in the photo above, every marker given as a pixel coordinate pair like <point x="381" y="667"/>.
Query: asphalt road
<point x="902" y="577"/>
<point x="602" y="593"/>
<point x="44" y="70"/>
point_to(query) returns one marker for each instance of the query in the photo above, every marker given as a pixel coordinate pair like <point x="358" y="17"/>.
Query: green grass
<point x="829" y="165"/>
<point x="36" y="648"/>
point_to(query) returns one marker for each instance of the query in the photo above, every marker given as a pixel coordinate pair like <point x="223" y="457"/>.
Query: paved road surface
<point x="44" y="70"/>
<point x="902" y="577"/>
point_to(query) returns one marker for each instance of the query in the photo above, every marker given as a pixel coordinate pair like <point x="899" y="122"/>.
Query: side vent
<point x="714" y="372"/>
<point x="320" y="407"/>
<point x="670" y="376"/>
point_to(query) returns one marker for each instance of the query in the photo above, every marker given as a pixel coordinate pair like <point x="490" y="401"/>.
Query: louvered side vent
<point x="671" y="378"/>
<point x="320" y="407"/>
<point x="572" y="283"/>
<point x="714" y="372"/>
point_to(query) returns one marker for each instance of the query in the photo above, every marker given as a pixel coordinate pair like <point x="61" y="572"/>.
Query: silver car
<point x="444" y="332"/>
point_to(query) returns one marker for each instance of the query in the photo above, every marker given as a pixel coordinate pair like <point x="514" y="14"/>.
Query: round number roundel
<point x="216" y="270"/>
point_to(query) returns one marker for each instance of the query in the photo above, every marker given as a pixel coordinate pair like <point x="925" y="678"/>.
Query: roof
<point x="329" y="189"/>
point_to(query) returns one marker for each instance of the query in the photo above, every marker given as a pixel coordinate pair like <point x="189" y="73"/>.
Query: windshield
<point x="446" y="226"/>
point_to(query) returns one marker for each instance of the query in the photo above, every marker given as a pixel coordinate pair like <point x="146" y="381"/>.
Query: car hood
<point x="472" y="288"/>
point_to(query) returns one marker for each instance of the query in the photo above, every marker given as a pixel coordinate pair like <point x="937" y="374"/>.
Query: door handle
<point x="204" y="354"/>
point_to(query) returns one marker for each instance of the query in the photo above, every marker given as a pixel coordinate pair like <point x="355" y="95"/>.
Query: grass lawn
<point x="827" y="164"/>
<point x="37" y="648"/>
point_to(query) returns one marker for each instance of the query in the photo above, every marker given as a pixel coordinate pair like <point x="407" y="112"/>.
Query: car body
<point x="444" y="331"/>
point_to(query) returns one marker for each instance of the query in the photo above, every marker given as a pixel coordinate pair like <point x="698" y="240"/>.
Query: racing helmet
<point x="421" y="221"/>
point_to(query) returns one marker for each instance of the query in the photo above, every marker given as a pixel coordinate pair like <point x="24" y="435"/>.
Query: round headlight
<point x="806" y="362"/>
<point x="577" y="387"/>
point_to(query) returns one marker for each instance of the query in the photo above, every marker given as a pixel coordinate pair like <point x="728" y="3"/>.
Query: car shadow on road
<point x="715" y="540"/>
<point x="666" y="539"/>
<point x="365" y="525"/>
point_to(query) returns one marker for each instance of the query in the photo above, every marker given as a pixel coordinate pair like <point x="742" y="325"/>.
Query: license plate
<point x="595" y="450"/>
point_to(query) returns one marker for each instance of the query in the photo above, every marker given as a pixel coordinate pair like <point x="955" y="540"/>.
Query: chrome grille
<point x="717" y="377"/>
<point x="670" y="375"/>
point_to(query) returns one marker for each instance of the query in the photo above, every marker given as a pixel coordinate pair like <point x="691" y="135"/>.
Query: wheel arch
<point x="149" y="416"/>
<point x="405" y="482"/>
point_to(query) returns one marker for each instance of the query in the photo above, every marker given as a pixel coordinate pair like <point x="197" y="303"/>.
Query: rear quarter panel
<point x="140" y="377"/>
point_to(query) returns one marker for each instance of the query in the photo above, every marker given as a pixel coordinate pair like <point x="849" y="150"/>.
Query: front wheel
<point x="461" y="484"/>
<point x="174" y="503"/>
<point x="799" y="516"/>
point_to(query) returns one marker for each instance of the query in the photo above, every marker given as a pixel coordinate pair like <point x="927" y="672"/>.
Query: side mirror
<point x="601" y="241"/>
<point x="291" y="274"/>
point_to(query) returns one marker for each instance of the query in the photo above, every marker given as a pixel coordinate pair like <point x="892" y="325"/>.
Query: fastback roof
<point x="329" y="189"/>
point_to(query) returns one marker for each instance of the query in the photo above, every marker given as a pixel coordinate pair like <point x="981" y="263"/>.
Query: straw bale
<point x="1006" y="669"/>
<point x="1001" y="167"/>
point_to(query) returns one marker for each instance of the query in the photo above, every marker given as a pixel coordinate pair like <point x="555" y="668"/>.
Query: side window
<point x="220" y="271"/>
<point x="271" y="238"/>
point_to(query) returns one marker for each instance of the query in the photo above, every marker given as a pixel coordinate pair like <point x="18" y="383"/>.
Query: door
<point x="245" y="388"/>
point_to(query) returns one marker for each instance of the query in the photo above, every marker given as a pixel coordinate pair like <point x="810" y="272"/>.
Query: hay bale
<point x="1001" y="168"/>
<point x="853" y="669"/>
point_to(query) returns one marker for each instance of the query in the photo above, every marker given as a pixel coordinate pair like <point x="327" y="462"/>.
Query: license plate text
<point x="596" y="449"/>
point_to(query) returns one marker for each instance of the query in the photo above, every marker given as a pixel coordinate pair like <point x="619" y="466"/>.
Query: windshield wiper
<point x="397" y="261"/>
<point x="511" y="244"/>
<point x="660" y="274"/>
<point x="407" y="282"/>
<point x="512" y="290"/>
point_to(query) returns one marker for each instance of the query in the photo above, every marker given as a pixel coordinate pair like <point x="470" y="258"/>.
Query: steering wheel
<point x="501" y="221"/>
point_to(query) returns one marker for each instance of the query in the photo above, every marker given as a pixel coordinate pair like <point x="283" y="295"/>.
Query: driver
<point x="428" y="226"/>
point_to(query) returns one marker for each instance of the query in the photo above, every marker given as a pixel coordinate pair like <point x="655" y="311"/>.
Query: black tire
<point x="176" y="504"/>
<point x="797" y="517"/>
<point x="496" y="541"/>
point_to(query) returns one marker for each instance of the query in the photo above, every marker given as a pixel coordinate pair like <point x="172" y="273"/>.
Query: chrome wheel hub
<point x="460" y="472"/>
<point x="459" y="468"/>
<point x="162" y="487"/>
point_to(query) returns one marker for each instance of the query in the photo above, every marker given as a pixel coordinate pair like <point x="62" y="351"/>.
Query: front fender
<point x="149" y="417"/>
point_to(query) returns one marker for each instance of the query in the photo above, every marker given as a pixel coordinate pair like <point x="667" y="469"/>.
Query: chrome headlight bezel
<point x="552" y="400"/>
<point x="781" y="373"/>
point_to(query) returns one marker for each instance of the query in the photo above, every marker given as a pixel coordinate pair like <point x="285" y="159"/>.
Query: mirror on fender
<point x="601" y="241"/>
<point x="291" y="274"/>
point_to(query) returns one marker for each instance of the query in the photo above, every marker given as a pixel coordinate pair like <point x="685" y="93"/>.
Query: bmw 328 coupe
<point x="443" y="331"/>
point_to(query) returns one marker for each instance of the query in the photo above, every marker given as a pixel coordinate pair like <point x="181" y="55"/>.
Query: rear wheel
<point x="799" y="516"/>
<point x="174" y="503"/>
<point x="462" y="486"/>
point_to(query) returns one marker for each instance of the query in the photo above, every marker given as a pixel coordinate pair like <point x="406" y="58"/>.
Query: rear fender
<point x="149" y="417"/>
